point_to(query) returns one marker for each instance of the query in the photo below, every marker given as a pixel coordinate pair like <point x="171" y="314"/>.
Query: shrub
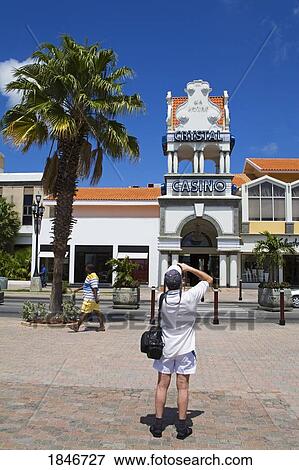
<point x="274" y="285"/>
<point x="70" y="312"/>
<point x="39" y="313"/>
<point x="17" y="265"/>
<point x="124" y="269"/>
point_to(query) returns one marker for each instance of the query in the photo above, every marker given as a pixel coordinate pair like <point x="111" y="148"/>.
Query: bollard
<point x="282" y="321"/>
<point x="153" y="300"/>
<point x="202" y="299"/>
<point x="216" y="318"/>
<point x="240" y="289"/>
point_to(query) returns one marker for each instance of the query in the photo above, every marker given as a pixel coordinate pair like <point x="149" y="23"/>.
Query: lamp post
<point x="37" y="213"/>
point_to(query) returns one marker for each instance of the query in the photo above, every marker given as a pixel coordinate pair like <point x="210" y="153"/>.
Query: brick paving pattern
<point x="62" y="390"/>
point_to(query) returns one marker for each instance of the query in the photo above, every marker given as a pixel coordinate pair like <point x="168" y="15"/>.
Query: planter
<point x="269" y="299"/>
<point x="3" y="283"/>
<point x="126" y="297"/>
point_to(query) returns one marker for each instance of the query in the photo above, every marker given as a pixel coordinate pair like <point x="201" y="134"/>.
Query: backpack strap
<point x="162" y="297"/>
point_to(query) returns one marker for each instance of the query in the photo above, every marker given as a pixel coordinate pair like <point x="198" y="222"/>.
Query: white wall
<point x="113" y="231"/>
<point x="224" y="216"/>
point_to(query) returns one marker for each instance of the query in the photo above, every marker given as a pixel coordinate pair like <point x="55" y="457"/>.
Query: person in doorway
<point x="178" y="315"/>
<point x="43" y="275"/>
<point x="90" y="299"/>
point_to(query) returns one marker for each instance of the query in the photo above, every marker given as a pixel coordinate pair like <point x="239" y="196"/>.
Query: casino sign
<point x="199" y="186"/>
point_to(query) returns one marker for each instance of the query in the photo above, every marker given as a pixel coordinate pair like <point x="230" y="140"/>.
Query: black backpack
<point x="151" y="342"/>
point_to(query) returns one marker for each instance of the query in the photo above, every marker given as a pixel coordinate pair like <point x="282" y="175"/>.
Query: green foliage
<point x="9" y="224"/>
<point x="124" y="269"/>
<point x="70" y="93"/>
<point x="70" y="312"/>
<point x="17" y="265"/>
<point x="34" y="312"/>
<point x="274" y="285"/>
<point x="270" y="252"/>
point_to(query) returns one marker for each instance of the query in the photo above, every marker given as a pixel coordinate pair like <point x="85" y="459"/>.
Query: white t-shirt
<point x="178" y="319"/>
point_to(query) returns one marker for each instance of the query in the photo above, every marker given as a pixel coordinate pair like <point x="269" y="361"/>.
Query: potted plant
<point x="67" y="294"/>
<point x="126" y="290"/>
<point x="269" y="254"/>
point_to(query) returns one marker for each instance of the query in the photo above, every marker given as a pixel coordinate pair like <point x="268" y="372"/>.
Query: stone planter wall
<point x="126" y="297"/>
<point x="3" y="283"/>
<point x="269" y="299"/>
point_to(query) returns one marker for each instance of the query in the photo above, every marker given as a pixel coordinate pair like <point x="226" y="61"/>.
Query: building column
<point x="175" y="258"/>
<point x="72" y="264"/>
<point x="164" y="266"/>
<point x="175" y="162"/>
<point x="114" y="255"/>
<point x="201" y="162"/>
<point x="280" y="274"/>
<point x="233" y="271"/>
<point x="195" y="162"/>
<point x="221" y="162"/>
<point x="33" y="240"/>
<point x="227" y="162"/>
<point x="170" y="162"/>
<point x="222" y="270"/>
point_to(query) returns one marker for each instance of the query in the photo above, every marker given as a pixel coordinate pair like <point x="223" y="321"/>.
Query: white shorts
<point x="182" y="364"/>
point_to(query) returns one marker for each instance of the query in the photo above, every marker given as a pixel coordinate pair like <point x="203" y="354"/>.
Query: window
<point x="266" y="201"/>
<point x="27" y="209"/>
<point x="252" y="272"/>
<point x="295" y="202"/>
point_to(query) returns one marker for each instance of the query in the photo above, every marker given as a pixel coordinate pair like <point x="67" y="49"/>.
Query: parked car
<point x="295" y="297"/>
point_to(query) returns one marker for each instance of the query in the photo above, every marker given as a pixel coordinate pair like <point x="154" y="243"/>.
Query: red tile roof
<point x="240" y="179"/>
<point x="275" y="164"/>
<point x="117" y="194"/>
<point x="178" y="100"/>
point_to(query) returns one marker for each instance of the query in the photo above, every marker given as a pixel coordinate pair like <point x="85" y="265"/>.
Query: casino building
<point x="202" y="214"/>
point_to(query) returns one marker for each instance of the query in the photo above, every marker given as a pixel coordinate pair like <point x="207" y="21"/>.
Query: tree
<point x="270" y="252"/>
<point x="9" y="225"/>
<point x="71" y="95"/>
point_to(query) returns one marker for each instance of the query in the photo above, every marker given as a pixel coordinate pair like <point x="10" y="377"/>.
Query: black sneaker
<point x="156" y="430"/>
<point x="183" y="433"/>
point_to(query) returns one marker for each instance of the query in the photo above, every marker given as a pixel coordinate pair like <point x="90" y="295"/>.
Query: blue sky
<point x="228" y="42"/>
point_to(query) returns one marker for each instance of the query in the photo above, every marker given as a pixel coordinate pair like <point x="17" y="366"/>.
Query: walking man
<point x="90" y="299"/>
<point x="178" y="316"/>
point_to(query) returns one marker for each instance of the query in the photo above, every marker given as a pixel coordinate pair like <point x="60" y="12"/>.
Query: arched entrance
<point x="199" y="248"/>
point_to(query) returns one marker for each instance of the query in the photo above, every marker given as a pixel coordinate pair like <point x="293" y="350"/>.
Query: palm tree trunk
<point x="66" y="184"/>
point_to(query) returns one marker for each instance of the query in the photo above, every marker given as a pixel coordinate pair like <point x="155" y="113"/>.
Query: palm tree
<point x="71" y="96"/>
<point x="270" y="252"/>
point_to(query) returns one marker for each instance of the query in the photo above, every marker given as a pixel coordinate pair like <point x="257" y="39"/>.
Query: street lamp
<point x="37" y="213"/>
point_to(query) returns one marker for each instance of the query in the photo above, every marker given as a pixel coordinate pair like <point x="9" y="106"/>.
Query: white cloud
<point x="270" y="148"/>
<point x="296" y="10"/>
<point x="6" y="75"/>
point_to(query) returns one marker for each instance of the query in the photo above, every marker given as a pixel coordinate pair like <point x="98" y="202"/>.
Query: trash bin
<point x="3" y="283"/>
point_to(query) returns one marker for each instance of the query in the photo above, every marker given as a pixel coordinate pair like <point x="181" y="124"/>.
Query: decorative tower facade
<point x="199" y="221"/>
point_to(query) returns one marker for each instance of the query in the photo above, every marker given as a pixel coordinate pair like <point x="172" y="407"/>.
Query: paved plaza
<point x="66" y="390"/>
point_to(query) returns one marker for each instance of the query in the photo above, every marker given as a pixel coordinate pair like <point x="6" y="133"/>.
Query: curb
<point x="51" y="325"/>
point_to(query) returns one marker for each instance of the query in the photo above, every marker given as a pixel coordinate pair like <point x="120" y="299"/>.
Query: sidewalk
<point x="90" y="390"/>
<point x="225" y="294"/>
